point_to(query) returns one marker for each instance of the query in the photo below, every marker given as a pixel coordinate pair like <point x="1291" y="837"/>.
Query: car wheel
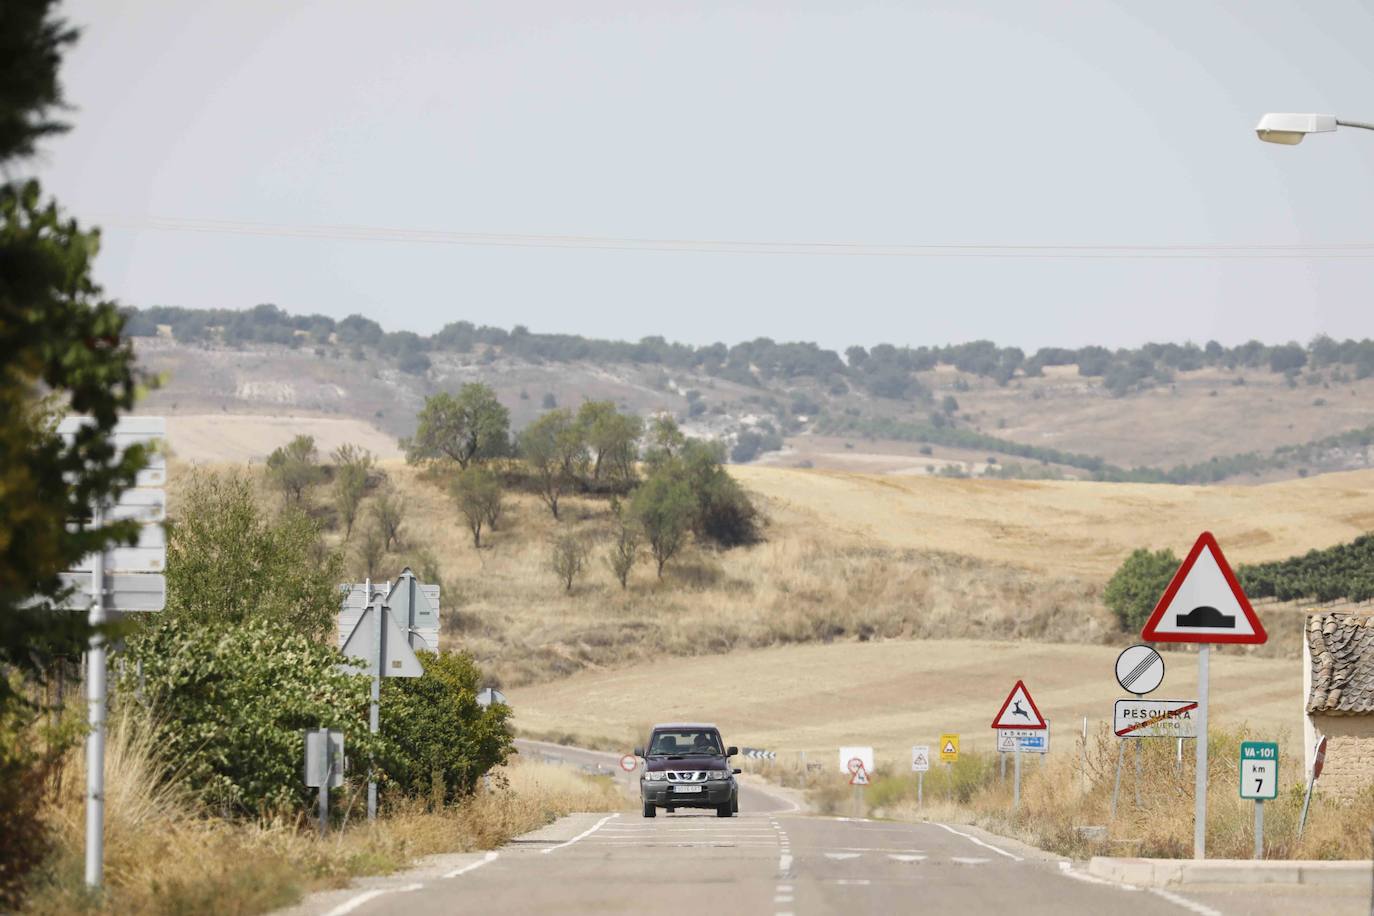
<point x="734" y="805"/>
<point x="724" y="810"/>
<point x="649" y="810"/>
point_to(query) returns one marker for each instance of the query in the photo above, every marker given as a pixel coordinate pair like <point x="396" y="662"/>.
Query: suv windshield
<point x="689" y="742"/>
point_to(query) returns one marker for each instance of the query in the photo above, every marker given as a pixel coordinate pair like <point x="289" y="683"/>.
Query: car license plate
<point x="680" y="789"/>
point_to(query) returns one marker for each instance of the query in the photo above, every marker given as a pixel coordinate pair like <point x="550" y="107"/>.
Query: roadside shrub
<point x="440" y="742"/>
<point x="1136" y="587"/>
<point x="229" y="702"/>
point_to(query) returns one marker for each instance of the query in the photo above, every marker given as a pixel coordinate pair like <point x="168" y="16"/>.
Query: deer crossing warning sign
<point x="1019" y="711"/>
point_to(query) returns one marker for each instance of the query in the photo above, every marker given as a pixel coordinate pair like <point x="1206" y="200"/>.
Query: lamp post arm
<point x="1361" y="124"/>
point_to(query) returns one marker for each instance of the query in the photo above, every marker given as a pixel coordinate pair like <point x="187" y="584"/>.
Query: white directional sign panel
<point x="1204" y="603"/>
<point x="415" y="605"/>
<point x="920" y="758"/>
<point x="1030" y="741"/>
<point x="124" y="592"/>
<point x="1155" y="719"/>
<point x="849" y="754"/>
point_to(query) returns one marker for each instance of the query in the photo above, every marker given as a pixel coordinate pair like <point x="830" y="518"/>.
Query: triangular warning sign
<point x="859" y="777"/>
<point x="1019" y="710"/>
<point x="1204" y="603"/>
<point x="949" y="748"/>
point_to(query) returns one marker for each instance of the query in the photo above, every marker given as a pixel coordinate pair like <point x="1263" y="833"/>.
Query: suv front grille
<point x="686" y="775"/>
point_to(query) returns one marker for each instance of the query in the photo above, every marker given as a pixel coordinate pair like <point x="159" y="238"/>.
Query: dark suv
<point x="687" y="766"/>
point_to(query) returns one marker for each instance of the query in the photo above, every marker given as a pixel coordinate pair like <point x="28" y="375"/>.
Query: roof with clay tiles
<point x="1342" y="648"/>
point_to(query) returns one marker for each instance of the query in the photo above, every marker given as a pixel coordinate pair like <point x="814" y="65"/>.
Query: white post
<point x="1002" y="762"/>
<point x="1016" y="794"/>
<point x="374" y="708"/>
<point x="328" y="766"/>
<point x="95" y="710"/>
<point x="1200" y="777"/>
<point x="920" y="789"/>
<point x="1083" y="756"/>
<point x="1137" y="774"/>
<point x="1259" y="828"/>
<point x="1116" y="786"/>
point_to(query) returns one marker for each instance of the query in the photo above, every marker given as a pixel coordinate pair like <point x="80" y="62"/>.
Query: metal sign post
<point x="1318" y="762"/>
<point x="1204" y="653"/>
<point x="95" y="714"/>
<point x="374" y="714"/>
<point x="1016" y="793"/>
<point x="326" y="772"/>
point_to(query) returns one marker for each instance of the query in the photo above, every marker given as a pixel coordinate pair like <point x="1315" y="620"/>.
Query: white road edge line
<point x="349" y="906"/>
<point x="784" y="863"/>
<point x="1200" y="908"/>
<point x="486" y="860"/>
<point x="586" y="833"/>
<point x="973" y="839"/>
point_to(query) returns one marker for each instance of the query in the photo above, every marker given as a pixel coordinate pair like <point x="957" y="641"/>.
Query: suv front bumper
<point x="661" y="794"/>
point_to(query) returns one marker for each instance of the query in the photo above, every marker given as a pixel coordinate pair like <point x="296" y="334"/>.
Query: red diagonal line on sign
<point x="1159" y="718"/>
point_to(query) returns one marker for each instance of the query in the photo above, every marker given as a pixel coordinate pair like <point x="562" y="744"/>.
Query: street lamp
<point x="1289" y="129"/>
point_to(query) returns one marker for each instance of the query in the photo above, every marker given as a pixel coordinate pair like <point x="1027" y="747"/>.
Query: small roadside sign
<point x="920" y="758"/>
<point x="949" y="748"/>
<point x="1155" y="719"/>
<point x="397" y="659"/>
<point x="1019" y="710"/>
<point x="1319" y="761"/>
<point x="859" y="776"/>
<point x="1139" y="670"/>
<point x="1204" y="603"/>
<point x="629" y="762"/>
<point x="1259" y="770"/>
<point x="862" y="754"/>
<point x="1031" y="741"/>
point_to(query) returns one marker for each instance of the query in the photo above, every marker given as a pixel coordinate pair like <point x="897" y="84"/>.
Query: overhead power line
<point x="1256" y="251"/>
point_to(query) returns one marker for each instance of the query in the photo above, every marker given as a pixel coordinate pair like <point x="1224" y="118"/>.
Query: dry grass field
<point x="242" y="438"/>
<point x="1071" y="527"/>
<point x="894" y="694"/>
<point x="846" y="558"/>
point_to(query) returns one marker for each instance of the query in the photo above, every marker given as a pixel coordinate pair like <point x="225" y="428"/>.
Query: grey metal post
<point x="1116" y="787"/>
<point x="1016" y="794"/>
<point x="1259" y="828"/>
<point x="328" y="764"/>
<point x="1002" y="760"/>
<point x="95" y="711"/>
<point x="1306" y="803"/>
<point x="1180" y="756"/>
<point x="1200" y="777"/>
<point x="920" y="790"/>
<point x="1137" y="774"/>
<point x="374" y="708"/>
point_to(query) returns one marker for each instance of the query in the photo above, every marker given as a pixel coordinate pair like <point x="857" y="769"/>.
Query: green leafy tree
<point x="294" y="468"/>
<point x="436" y="732"/>
<point x="624" y="551"/>
<point x="567" y="559"/>
<point x="230" y="700"/>
<point x="665" y="440"/>
<point x="555" y="451"/>
<point x="472" y="426"/>
<point x="612" y="438"/>
<point x="663" y="509"/>
<point x="477" y="493"/>
<point x="352" y="467"/>
<point x="388" y="511"/>
<point x="1136" y="587"/>
<point x="724" y="513"/>
<point x="371" y="549"/>
<point x="228" y="562"/>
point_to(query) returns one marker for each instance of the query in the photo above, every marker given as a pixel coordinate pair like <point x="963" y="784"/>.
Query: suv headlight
<point x="655" y="777"/>
<point x="717" y="774"/>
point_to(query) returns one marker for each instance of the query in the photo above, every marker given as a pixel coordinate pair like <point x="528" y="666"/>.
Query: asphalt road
<point x="773" y="860"/>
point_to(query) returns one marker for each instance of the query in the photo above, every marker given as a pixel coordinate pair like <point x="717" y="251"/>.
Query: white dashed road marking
<point x="586" y="833"/>
<point x="351" y="905"/>
<point x="842" y="855"/>
<point x="965" y="860"/>
<point x="973" y="839"/>
<point x="486" y="860"/>
<point x="901" y="858"/>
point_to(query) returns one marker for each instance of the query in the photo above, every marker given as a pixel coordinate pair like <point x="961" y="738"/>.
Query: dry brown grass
<point x="892" y="694"/>
<point x="164" y="856"/>
<point x="1073" y="790"/>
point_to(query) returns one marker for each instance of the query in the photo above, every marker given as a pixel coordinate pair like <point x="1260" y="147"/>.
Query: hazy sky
<point x="873" y="124"/>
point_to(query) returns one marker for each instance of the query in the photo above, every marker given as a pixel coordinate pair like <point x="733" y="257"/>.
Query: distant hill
<point x="1169" y="413"/>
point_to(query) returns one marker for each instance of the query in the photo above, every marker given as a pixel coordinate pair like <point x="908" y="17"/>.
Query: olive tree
<point x="477" y="493"/>
<point x="471" y="426"/>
